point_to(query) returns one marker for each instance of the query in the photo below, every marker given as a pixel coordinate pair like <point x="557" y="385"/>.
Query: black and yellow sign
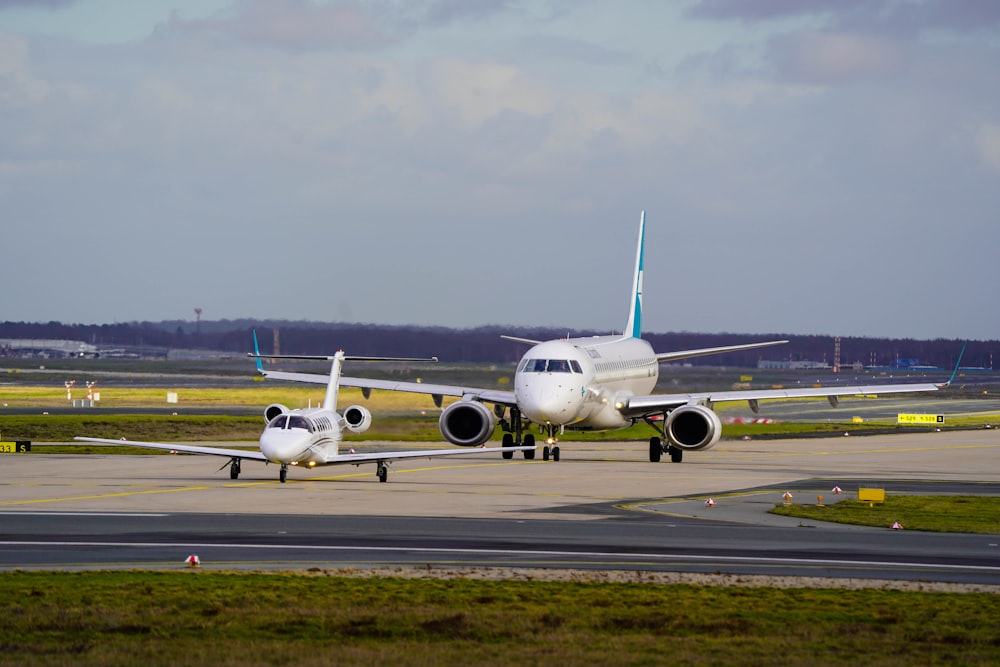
<point x="16" y="447"/>
<point x="902" y="418"/>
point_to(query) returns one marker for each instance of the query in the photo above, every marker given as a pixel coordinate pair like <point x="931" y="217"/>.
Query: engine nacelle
<point x="467" y="423"/>
<point x="693" y="427"/>
<point x="273" y="410"/>
<point x="357" y="419"/>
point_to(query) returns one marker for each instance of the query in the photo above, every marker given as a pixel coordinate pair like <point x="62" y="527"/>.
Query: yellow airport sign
<point x="902" y="418"/>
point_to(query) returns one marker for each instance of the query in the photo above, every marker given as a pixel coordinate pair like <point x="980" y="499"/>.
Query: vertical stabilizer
<point x="634" y="326"/>
<point x="333" y="388"/>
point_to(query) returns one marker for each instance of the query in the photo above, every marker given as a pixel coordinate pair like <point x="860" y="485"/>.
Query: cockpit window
<point x="551" y="366"/>
<point x="278" y="422"/>
<point x="535" y="366"/>
<point x="295" y="421"/>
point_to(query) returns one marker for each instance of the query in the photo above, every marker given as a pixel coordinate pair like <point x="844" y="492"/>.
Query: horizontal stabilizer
<point x="688" y="354"/>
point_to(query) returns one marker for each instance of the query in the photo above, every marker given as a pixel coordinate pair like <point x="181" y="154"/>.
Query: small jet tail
<point x="633" y="327"/>
<point x="333" y="387"/>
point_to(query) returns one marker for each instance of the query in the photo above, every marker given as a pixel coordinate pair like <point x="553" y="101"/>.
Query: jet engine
<point x="357" y="418"/>
<point x="273" y="410"/>
<point x="467" y="423"/>
<point x="693" y="427"/>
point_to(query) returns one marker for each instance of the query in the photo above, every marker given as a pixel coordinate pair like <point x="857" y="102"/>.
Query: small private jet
<point x="312" y="437"/>
<point x="598" y="383"/>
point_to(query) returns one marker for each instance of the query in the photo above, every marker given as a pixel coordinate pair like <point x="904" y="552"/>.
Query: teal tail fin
<point x="256" y="351"/>
<point x="633" y="327"/>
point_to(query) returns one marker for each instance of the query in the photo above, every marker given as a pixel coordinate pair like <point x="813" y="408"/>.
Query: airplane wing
<point x="635" y="406"/>
<point x="488" y="395"/>
<point x="353" y="459"/>
<point x="689" y="354"/>
<point x="190" y="449"/>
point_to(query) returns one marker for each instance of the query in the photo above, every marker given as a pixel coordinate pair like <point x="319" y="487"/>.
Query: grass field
<point x="197" y="618"/>
<point x="947" y="514"/>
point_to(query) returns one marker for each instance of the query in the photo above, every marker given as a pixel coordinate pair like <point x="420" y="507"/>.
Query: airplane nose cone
<point x="549" y="402"/>
<point x="281" y="446"/>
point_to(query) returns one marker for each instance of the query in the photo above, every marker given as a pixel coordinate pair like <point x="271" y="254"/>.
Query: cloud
<point x="766" y="10"/>
<point x="988" y="143"/>
<point x="884" y="16"/>
<point x="36" y="4"/>
<point x="293" y="25"/>
<point x="822" y="58"/>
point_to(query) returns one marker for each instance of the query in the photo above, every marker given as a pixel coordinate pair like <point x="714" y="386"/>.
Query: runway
<point x="602" y="507"/>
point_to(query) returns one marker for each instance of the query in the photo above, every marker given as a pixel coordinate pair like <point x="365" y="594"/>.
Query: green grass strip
<point x="947" y="514"/>
<point x="197" y="617"/>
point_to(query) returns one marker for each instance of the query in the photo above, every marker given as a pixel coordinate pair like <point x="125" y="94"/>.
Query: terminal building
<point x="46" y="348"/>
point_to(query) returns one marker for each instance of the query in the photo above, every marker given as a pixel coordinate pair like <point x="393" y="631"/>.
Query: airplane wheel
<point x="655" y="449"/>
<point x="508" y="441"/>
<point x="676" y="454"/>
<point x="234" y="470"/>
<point x="383" y="473"/>
<point x="529" y="454"/>
<point x="555" y="453"/>
<point x="529" y="440"/>
<point x="283" y="475"/>
<point x="507" y="455"/>
<point x="545" y="453"/>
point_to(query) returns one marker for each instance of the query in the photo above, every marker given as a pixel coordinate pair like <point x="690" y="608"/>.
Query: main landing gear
<point x="382" y="471"/>
<point x="234" y="468"/>
<point x="656" y="450"/>
<point x="514" y="439"/>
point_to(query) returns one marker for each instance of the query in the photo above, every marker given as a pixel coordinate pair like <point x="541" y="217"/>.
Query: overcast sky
<point x="824" y="167"/>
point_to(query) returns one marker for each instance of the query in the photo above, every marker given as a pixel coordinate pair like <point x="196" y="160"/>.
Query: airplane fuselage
<point x="576" y="382"/>
<point x="303" y="437"/>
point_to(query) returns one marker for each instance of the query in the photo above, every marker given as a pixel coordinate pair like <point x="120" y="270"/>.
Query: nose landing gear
<point x="553" y="451"/>
<point x="512" y="438"/>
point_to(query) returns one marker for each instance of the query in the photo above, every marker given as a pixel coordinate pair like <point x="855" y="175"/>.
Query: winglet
<point x="633" y="327"/>
<point x="256" y="352"/>
<point x="957" y="364"/>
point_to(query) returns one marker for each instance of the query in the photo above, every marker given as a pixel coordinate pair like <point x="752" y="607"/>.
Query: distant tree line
<point x="483" y="344"/>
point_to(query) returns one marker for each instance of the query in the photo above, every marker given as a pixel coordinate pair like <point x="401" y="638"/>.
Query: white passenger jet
<point x="596" y="383"/>
<point x="312" y="437"/>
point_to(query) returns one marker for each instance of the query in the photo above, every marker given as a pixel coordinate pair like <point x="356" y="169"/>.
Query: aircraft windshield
<point x="552" y="366"/>
<point x="294" y="421"/>
<point x="290" y="421"/>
